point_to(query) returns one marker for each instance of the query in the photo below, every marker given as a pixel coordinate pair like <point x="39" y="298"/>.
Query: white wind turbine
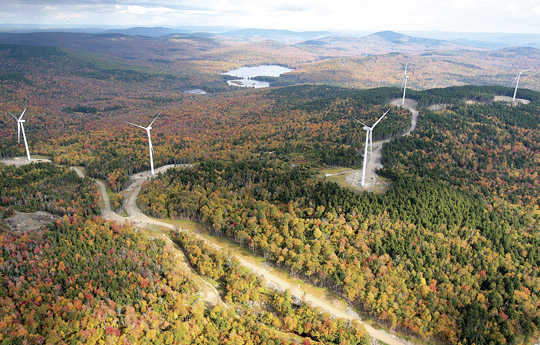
<point x="369" y="140"/>
<point x="404" y="84"/>
<point x="20" y="127"/>
<point x="516" y="80"/>
<point x="150" y="148"/>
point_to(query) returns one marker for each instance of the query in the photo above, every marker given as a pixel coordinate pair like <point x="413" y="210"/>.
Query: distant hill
<point x="179" y="46"/>
<point x="483" y="40"/>
<point x="148" y="32"/>
<point x="276" y="35"/>
<point x="526" y="52"/>
<point x="378" y="43"/>
<point x="369" y="61"/>
<point x="31" y="61"/>
<point x="401" y="39"/>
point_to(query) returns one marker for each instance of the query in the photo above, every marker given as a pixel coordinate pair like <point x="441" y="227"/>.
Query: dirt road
<point x="208" y="292"/>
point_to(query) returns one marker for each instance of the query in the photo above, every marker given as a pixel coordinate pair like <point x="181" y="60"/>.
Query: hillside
<point x="375" y="44"/>
<point x="176" y="46"/>
<point x="197" y="60"/>
<point x="255" y="183"/>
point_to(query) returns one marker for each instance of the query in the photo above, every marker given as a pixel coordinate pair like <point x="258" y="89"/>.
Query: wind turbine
<point x="150" y="148"/>
<point x="516" y="80"/>
<point x="20" y="127"/>
<point x="404" y="84"/>
<point x="369" y="140"/>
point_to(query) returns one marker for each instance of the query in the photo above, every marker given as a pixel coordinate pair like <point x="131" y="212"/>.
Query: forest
<point x="46" y="187"/>
<point x="449" y="252"/>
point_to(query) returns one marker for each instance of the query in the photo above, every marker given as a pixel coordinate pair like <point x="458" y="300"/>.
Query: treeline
<point x="459" y="94"/>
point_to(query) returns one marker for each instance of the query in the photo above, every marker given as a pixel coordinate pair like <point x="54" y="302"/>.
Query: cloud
<point x="444" y="15"/>
<point x="6" y="15"/>
<point x="142" y="10"/>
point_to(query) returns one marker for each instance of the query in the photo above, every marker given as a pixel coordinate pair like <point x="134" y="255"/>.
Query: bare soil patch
<point x="509" y="100"/>
<point x="24" y="222"/>
<point x="19" y="161"/>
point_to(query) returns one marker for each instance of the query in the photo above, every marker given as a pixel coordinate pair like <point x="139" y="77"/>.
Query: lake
<point x="245" y="73"/>
<point x="195" y="91"/>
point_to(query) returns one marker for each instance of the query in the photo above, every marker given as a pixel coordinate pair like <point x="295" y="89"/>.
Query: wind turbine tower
<point x="150" y="148"/>
<point x="369" y="141"/>
<point x="516" y="80"/>
<point x="404" y="84"/>
<point x="20" y="128"/>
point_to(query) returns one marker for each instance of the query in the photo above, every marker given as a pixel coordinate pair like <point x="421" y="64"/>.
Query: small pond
<point x="246" y="73"/>
<point x="195" y="91"/>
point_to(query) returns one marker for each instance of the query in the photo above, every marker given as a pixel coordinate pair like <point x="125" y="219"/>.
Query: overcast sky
<point x="338" y="15"/>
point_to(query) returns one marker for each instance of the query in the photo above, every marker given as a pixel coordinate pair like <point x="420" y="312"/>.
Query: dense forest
<point x="90" y="281"/>
<point x="46" y="187"/>
<point x="449" y="252"/>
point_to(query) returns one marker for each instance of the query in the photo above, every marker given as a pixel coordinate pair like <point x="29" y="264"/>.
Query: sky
<point x="298" y="15"/>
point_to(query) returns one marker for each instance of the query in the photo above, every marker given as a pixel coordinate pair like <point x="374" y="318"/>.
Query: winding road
<point x="140" y="219"/>
<point x="212" y="296"/>
<point x="209" y="293"/>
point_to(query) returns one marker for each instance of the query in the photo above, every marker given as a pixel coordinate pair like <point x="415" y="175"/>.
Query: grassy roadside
<point x="317" y="292"/>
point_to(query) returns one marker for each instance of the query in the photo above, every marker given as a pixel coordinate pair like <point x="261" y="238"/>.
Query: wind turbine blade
<point x="406" y="65"/>
<point x="359" y="122"/>
<point x="528" y="69"/>
<point x="151" y="123"/>
<point x="379" y="120"/>
<point x="402" y="84"/>
<point x="13" y="116"/>
<point x="18" y="132"/>
<point x="24" y="111"/>
<point x="134" y="125"/>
